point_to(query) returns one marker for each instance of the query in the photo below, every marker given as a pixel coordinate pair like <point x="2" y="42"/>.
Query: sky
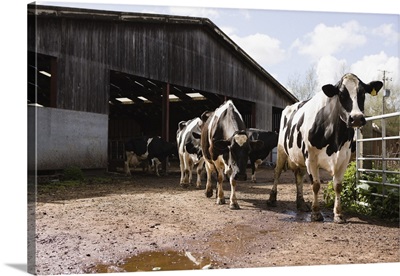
<point x="287" y="43"/>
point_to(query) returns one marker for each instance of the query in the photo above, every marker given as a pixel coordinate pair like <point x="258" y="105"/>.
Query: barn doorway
<point x="136" y="108"/>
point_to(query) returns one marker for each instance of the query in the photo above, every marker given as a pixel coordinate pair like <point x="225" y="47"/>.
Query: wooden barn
<point x="97" y="78"/>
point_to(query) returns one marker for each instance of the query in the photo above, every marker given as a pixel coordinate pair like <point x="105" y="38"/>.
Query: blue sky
<point x="287" y="42"/>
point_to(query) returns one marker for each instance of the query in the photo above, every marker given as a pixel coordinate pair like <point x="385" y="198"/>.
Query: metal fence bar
<point x="383" y="158"/>
<point x="378" y="139"/>
<point x="379" y="183"/>
<point x="385" y="116"/>
<point x="379" y="158"/>
<point x="378" y="171"/>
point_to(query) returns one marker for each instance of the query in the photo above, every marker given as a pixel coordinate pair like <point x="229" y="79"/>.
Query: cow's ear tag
<point x="373" y="92"/>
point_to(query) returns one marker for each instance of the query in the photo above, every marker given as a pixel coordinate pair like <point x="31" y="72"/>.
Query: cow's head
<point x="235" y="152"/>
<point x="350" y="91"/>
<point x="193" y="144"/>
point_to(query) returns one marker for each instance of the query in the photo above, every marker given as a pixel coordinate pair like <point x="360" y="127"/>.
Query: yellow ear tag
<point x="373" y="92"/>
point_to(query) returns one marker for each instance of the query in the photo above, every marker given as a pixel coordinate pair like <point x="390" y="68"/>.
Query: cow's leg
<point x="184" y="170"/>
<point x="199" y="170"/>
<point x="337" y="209"/>
<point x="127" y="162"/>
<point x="209" y="170"/>
<point x="316" y="214"/>
<point x="280" y="164"/>
<point x="300" y="203"/>
<point x="253" y="171"/>
<point x="190" y="170"/>
<point x="127" y="169"/>
<point x="254" y="166"/>
<point x="233" y="201"/>
<point x="220" y="190"/>
<point x="156" y="163"/>
<point x="182" y="167"/>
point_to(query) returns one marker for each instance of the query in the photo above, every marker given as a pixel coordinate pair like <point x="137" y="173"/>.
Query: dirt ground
<point x="103" y="225"/>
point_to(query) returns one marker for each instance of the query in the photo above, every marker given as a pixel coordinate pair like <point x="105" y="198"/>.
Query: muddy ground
<point x="95" y="227"/>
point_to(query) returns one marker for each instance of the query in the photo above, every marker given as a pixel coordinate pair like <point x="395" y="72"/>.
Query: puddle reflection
<point x="159" y="260"/>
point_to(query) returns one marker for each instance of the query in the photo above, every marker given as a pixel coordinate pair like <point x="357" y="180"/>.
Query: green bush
<point x="360" y="198"/>
<point x="73" y="173"/>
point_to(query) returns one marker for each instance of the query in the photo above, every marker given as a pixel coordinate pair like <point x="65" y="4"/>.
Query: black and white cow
<point x="257" y="156"/>
<point x="318" y="133"/>
<point x="226" y="148"/>
<point x="136" y="153"/>
<point x="150" y="152"/>
<point x="189" y="150"/>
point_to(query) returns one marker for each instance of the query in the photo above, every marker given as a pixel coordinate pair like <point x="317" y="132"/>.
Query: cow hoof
<point x="198" y="187"/>
<point x="209" y="193"/>
<point x="220" y="201"/>
<point x="317" y="216"/>
<point x="184" y="185"/>
<point x="271" y="203"/>
<point x="234" y="206"/>
<point x="339" y="219"/>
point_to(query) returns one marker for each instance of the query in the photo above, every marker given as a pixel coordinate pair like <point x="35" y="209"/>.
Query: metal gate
<point x="383" y="161"/>
<point x="116" y="155"/>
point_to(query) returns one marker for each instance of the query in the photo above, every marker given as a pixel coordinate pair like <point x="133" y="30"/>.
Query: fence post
<point x="357" y="155"/>
<point x="383" y="122"/>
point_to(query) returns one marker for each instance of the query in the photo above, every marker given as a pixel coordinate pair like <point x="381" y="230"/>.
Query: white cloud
<point x="370" y="67"/>
<point x="387" y="33"/>
<point x="326" y="40"/>
<point x="264" y="49"/>
<point x="330" y="69"/>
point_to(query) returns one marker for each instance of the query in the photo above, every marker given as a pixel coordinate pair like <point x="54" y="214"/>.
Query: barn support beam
<point x="53" y="82"/>
<point x="165" y="119"/>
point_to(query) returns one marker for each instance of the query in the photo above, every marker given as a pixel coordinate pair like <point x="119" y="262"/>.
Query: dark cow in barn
<point x="256" y="157"/>
<point x="150" y="152"/>
<point x="135" y="153"/>
<point x="318" y="133"/>
<point x="189" y="150"/>
<point x="226" y="148"/>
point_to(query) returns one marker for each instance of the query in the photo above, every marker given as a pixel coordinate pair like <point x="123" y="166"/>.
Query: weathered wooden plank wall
<point x="186" y="54"/>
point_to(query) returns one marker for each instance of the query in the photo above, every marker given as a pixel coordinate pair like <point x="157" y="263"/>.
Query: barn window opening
<point x="42" y="80"/>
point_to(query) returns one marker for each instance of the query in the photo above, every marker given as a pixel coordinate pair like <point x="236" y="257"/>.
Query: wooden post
<point x="53" y="82"/>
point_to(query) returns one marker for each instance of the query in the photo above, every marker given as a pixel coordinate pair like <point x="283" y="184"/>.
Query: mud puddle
<point x="157" y="260"/>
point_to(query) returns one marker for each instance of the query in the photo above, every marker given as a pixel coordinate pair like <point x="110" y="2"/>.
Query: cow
<point x="318" y="133"/>
<point x="189" y="150"/>
<point x="226" y="148"/>
<point x="135" y="153"/>
<point x="256" y="157"/>
<point x="150" y="152"/>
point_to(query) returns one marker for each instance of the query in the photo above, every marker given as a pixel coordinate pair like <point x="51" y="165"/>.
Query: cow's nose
<point x="357" y="120"/>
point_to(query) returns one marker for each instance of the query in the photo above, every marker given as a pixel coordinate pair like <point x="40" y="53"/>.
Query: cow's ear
<point x="196" y="135"/>
<point x="221" y="145"/>
<point x="330" y="90"/>
<point x="206" y="115"/>
<point x="373" y="87"/>
<point x="256" y="145"/>
<point x="181" y="125"/>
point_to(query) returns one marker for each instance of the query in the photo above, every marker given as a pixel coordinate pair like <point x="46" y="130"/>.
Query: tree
<point x="306" y="88"/>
